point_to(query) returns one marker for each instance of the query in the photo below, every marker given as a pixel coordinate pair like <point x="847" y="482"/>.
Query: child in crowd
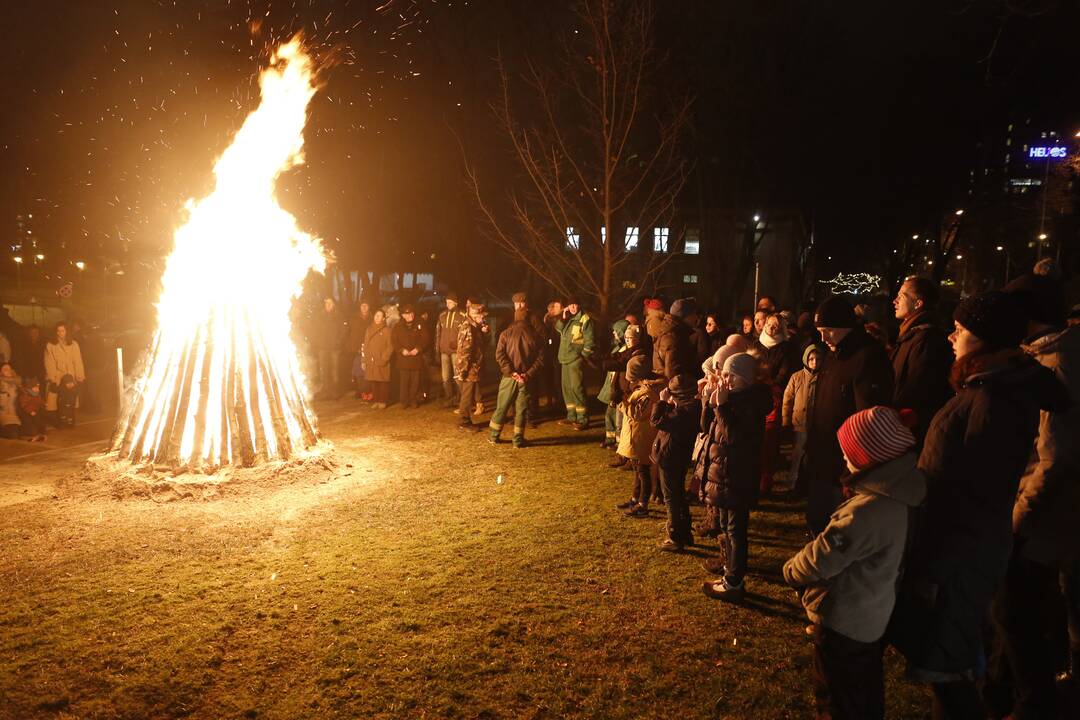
<point x="615" y="365"/>
<point x="799" y="406"/>
<point x="847" y="575"/>
<point x="676" y="418"/>
<point x="9" y="402"/>
<point x="32" y="410"/>
<point x="735" y="414"/>
<point x="635" y="442"/>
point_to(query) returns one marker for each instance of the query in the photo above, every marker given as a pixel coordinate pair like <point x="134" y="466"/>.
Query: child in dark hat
<point x="677" y="418"/>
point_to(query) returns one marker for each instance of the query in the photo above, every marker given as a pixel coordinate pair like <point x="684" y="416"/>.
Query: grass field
<point x="412" y="584"/>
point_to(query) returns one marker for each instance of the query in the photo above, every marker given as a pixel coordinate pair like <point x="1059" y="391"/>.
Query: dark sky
<point x="864" y="115"/>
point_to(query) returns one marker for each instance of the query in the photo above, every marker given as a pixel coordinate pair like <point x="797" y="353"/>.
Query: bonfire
<point x="222" y="384"/>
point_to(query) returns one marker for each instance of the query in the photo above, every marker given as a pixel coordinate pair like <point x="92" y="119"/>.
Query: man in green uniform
<point x="575" y="330"/>
<point x="519" y="355"/>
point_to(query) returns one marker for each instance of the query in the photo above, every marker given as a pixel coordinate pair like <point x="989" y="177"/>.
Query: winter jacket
<point x="778" y="362"/>
<point x="1047" y="509"/>
<point x="857" y="376"/>
<point x="677" y="426"/>
<point x="638" y="434"/>
<point x="675" y="352"/>
<point x="61" y="359"/>
<point x="800" y="394"/>
<point x="328" y="330"/>
<point x="975" y="452"/>
<point x="519" y="349"/>
<point x="358" y="325"/>
<point x="30" y="404"/>
<point x="9" y="401"/>
<point x="446" y="330"/>
<point x="615" y="363"/>
<point x="409" y="336"/>
<point x="733" y="462"/>
<point x="699" y="341"/>
<point x="921" y="360"/>
<point x="575" y="337"/>
<point x="378" y="349"/>
<point x="850" y="570"/>
<point x="469" y="354"/>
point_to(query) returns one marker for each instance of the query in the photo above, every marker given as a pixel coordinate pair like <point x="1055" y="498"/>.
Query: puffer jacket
<point x="732" y="461"/>
<point x="638" y="434"/>
<point x="801" y="393"/>
<point x="677" y="426"/>
<point x="974" y="455"/>
<point x="519" y="349"/>
<point x="921" y="361"/>
<point x="469" y="355"/>
<point x="1047" y="509"/>
<point x="850" y="570"/>
<point x="9" y="401"/>
<point x="675" y="352"/>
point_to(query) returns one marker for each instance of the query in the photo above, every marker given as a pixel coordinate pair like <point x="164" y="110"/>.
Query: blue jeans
<point x="733" y="534"/>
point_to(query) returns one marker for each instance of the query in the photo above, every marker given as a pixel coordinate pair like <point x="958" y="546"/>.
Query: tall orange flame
<point x="222" y="384"/>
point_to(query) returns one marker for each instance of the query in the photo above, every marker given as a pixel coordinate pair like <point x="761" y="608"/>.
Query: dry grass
<point x="411" y="584"/>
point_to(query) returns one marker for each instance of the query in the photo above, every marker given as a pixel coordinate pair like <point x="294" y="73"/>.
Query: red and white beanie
<point x="874" y="436"/>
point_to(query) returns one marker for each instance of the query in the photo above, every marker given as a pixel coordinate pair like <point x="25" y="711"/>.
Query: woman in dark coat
<point x="408" y="337"/>
<point x="976" y="450"/>
<point x="378" y="350"/>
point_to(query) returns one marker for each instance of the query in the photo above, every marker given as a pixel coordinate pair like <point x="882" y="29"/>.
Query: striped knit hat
<point x="874" y="436"/>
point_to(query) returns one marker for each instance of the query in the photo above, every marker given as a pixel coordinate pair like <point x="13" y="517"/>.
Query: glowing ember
<point x="222" y="384"/>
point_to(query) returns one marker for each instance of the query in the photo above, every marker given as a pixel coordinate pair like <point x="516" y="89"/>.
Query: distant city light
<point x="959" y="213"/>
<point x="1043" y="236"/>
<point x="999" y="248"/>
<point x="757" y="218"/>
<point x="80" y="264"/>
<point x="17" y="259"/>
<point x="40" y="257"/>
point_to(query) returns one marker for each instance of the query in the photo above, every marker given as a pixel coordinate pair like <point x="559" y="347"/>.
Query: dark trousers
<point x="733" y="536"/>
<point x="1029" y="617"/>
<point x="467" y="403"/>
<point x="409" y="387"/>
<point x="823" y="497"/>
<point x="642" y="483"/>
<point x="957" y="701"/>
<point x="673" y="482"/>
<point x="849" y="682"/>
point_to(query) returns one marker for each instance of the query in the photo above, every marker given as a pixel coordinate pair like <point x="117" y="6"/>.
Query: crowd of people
<point x="939" y="466"/>
<point x="42" y="382"/>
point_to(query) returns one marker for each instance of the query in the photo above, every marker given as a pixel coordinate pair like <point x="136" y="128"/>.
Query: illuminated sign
<point x="1055" y="151"/>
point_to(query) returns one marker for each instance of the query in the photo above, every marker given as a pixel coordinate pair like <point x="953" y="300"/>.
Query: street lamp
<point x="80" y="264"/>
<point x="959" y="213"/>
<point x="1008" y="260"/>
<point x="39" y="257"/>
<point x="18" y="271"/>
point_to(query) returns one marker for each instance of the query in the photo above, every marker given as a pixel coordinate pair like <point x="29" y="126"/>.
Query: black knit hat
<point x="1040" y="297"/>
<point x="994" y="317"/>
<point x="835" y="312"/>
<point x="452" y="296"/>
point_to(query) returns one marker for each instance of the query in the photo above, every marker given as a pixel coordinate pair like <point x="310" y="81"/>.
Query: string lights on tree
<point x="853" y="283"/>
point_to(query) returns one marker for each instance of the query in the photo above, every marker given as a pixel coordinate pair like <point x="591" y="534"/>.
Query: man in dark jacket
<point x="519" y="353"/>
<point x="327" y="334"/>
<point x="855" y="375"/>
<point x="676" y="351"/>
<point x="446" y="334"/>
<point x="408" y="339"/>
<point x="468" y="361"/>
<point x="922" y="356"/>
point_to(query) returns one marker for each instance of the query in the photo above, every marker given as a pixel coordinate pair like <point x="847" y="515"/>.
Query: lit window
<point x="407" y="281"/>
<point x="425" y="280"/>
<point x="573" y="240"/>
<point x="689" y="279"/>
<point x="632" y="238"/>
<point x="692" y="245"/>
<point x="660" y="238"/>
<point x="603" y="236"/>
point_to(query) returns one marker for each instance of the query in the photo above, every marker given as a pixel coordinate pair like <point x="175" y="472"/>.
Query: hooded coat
<point x="676" y="352"/>
<point x="61" y="358"/>
<point x="638" y="434"/>
<point x="1047" y="509"/>
<point x="732" y="471"/>
<point x="801" y="393"/>
<point x="850" y="570"/>
<point x="975" y="453"/>
<point x="921" y="360"/>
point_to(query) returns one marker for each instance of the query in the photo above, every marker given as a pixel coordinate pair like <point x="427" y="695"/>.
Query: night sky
<point x="863" y="115"/>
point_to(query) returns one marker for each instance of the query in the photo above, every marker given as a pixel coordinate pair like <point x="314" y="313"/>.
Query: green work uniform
<point x="575" y="344"/>
<point x="511" y="392"/>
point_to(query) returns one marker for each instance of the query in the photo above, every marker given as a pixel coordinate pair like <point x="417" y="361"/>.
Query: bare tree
<point x="596" y="158"/>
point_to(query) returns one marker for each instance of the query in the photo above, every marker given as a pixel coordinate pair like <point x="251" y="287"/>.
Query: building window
<point x="603" y="235"/>
<point x="425" y="280"/>
<point x="692" y="244"/>
<point x="660" y="238"/>
<point x="573" y="239"/>
<point x="632" y="238"/>
<point x="689" y="279"/>
<point x="407" y="281"/>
